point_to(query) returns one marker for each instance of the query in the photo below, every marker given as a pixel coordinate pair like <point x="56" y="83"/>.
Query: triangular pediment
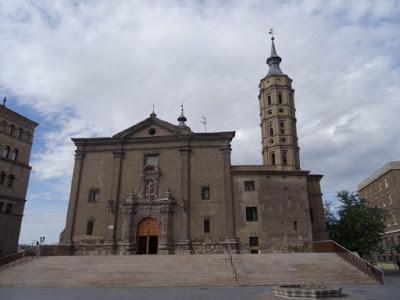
<point x="151" y="127"/>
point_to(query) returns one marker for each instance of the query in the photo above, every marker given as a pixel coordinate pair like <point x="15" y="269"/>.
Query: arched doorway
<point x="147" y="236"/>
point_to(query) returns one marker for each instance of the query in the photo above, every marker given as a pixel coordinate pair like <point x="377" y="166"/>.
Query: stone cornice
<point x="12" y="198"/>
<point x="13" y="162"/>
<point x="265" y="170"/>
<point x="16" y="116"/>
<point x="205" y="136"/>
<point x="393" y="165"/>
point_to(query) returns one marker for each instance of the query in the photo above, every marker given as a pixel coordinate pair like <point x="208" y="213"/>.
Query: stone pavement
<point x="390" y="291"/>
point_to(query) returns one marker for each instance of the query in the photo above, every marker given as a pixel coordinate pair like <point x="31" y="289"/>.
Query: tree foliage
<point x="356" y="226"/>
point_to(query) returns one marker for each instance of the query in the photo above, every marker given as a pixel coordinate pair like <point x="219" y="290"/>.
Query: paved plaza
<point x="389" y="291"/>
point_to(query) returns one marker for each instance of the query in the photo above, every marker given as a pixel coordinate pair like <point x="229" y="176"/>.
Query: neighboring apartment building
<point x="158" y="187"/>
<point x="16" y="134"/>
<point x="382" y="189"/>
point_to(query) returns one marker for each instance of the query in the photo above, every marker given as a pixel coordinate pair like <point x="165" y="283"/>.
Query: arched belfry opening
<point x="148" y="232"/>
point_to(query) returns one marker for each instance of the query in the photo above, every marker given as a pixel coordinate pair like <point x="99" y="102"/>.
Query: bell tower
<point x="280" y="149"/>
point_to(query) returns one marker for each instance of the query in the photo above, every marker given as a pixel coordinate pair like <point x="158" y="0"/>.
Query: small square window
<point x="251" y="214"/>
<point x="94" y="195"/>
<point x="253" y="241"/>
<point x="249" y="186"/>
<point x="205" y="193"/>
<point x="9" y="207"/>
<point x="151" y="160"/>
<point x="206" y="226"/>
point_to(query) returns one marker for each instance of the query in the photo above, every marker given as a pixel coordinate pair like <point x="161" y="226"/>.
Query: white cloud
<point x="108" y="61"/>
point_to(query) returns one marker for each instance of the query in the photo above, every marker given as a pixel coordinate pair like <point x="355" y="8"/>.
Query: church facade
<point x="158" y="187"/>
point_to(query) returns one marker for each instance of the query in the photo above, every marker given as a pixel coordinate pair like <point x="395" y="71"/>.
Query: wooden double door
<point x="148" y="232"/>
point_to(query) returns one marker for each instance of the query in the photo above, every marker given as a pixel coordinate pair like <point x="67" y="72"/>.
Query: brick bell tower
<point x="280" y="149"/>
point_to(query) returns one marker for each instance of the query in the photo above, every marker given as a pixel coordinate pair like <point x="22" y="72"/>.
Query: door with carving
<point x="147" y="236"/>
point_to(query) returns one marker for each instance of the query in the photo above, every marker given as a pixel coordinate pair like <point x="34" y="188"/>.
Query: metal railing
<point x="16" y="257"/>
<point x="351" y="258"/>
<point x="230" y="257"/>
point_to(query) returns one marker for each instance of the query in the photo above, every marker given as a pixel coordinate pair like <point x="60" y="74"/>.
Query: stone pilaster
<point x="115" y="190"/>
<point x="74" y="198"/>
<point x="183" y="245"/>
<point x="229" y="207"/>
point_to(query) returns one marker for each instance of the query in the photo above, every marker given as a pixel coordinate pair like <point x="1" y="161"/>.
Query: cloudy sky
<point x="94" y="67"/>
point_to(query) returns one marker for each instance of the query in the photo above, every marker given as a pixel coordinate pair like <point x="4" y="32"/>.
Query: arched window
<point x="20" y="131"/>
<point x="12" y="128"/>
<point x="14" y="155"/>
<point x="6" y="151"/>
<point x="11" y="180"/>
<point x="2" y="177"/>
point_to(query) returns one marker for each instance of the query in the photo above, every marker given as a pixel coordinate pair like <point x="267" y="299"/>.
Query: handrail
<point x="351" y="258"/>
<point x="234" y="270"/>
<point x="14" y="257"/>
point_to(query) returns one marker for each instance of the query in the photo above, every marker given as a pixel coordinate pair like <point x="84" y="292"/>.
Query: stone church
<point x="159" y="188"/>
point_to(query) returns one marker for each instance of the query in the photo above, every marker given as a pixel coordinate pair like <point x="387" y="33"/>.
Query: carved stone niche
<point x="149" y="183"/>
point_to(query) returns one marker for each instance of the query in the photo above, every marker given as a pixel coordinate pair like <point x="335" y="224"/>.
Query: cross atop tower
<point x="271" y="32"/>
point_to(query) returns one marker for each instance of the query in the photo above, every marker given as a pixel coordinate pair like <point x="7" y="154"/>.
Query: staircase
<point x="185" y="270"/>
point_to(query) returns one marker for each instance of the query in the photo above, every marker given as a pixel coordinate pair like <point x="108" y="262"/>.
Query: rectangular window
<point x="151" y="160"/>
<point x="89" y="228"/>
<point x="282" y="127"/>
<point x="253" y="241"/>
<point x="269" y="100"/>
<point x="253" y="251"/>
<point x="94" y="195"/>
<point x="206" y="226"/>
<point x="251" y="214"/>
<point x="311" y="215"/>
<point x="9" y="207"/>
<point x="249" y="186"/>
<point x="271" y="129"/>
<point x="280" y="98"/>
<point x="284" y="158"/>
<point x="1" y="206"/>
<point x="272" y="155"/>
<point x="205" y="193"/>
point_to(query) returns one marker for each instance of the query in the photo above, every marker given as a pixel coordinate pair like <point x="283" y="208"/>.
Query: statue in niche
<point x="150" y="188"/>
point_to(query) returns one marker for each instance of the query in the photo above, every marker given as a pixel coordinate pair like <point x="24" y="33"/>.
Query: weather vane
<point x="182" y="107"/>
<point x="271" y="32"/>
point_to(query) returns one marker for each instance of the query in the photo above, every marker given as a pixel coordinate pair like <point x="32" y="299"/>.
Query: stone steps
<point x="184" y="270"/>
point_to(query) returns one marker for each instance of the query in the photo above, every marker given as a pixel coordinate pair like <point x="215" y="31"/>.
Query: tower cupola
<point x="274" y="59"/>
<point x="182" y="119"/>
